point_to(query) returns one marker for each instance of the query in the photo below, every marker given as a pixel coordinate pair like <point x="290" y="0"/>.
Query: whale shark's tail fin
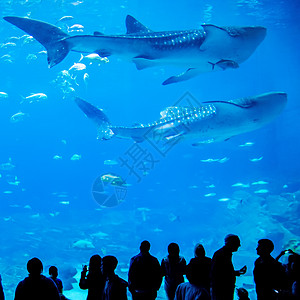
<point x="50" y="36"/>
<point x="98" y="116"/>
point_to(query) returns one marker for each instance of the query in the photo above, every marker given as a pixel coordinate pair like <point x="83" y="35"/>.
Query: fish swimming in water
<point x="209" y="48"/>
<point x="212" y="121"/>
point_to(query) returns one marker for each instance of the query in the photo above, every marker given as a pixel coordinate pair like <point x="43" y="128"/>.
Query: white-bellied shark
<point x="212" y="121"/>
<point x="209" y="48"/>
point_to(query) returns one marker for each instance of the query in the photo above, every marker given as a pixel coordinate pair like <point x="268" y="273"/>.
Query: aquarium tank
<point x="167" y="121"/>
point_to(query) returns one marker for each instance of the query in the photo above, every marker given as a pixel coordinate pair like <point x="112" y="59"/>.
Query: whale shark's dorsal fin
<point x="134" y="26"/>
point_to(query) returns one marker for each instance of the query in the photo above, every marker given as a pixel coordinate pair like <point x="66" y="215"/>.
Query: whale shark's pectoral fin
<point x="134" y="26"/>
<point x="143" y="62"/>
<point x="188" y="74"/>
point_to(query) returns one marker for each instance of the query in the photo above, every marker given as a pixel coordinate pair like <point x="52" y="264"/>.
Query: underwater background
<point x="50" y="156"/>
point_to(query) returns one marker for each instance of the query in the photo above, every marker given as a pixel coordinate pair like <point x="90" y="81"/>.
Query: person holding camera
<point x="92" y="279"/>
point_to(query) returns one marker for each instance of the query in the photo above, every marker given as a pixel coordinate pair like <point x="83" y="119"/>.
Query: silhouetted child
<point x="173" y="268"/>
<point x="115" y="287"/>
<point x="53" y="272"/>
<point x="191" y="290"/>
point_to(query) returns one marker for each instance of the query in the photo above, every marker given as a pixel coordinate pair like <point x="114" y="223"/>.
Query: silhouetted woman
<point x="93" y="279"/>
<point x="173" y="268"/>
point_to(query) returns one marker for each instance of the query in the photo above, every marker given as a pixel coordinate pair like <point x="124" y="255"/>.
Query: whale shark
<point x="209" y="48"/>
<point x="210" y="121"/>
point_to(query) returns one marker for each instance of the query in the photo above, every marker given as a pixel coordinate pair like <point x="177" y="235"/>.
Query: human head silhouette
<point x="53" y="271"/>
<point x="173" y="250"/>
<point x="264" y="247"/>
<point x="232" y="242"/>
<point x="145" y="246"/>
<point x="199" y="250"/>
<point x="34" y="267"/>
<point x="109" y="264"/>
<point x="95" y="263"/>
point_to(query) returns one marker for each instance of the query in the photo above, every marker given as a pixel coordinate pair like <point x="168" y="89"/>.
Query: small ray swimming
<point x="209" y="48"/>
<point x="212" y="121"/>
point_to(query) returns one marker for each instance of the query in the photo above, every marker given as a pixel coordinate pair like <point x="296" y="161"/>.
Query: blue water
<point x="52" y="207"/>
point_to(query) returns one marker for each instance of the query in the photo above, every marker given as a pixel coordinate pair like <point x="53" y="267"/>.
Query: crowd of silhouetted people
<point x="208" y="278"/>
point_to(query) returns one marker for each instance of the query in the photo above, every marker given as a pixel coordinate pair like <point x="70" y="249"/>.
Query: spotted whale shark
<point x="211" y="121"/>
<point x="209" y="48"/>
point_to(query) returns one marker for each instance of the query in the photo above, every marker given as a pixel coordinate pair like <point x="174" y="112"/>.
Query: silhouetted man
<point x="268" y="273"/>
<point x="115" y="287"/>
<point x="144" y="275"/>
<point x="223" y="274"/>
<point x="36" y="286"/>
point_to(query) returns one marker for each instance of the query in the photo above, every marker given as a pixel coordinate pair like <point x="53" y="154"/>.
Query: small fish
<point x="9" y="44"/>
<point x="7" y="192"/>
<point x="225" y="64"/>
<point x="3" y="95"/>
<point x="76" y="157"/>
<point x="64" y="202"/>
<point x="259" y="182"/>
<point x="86" y="76"/>
<point x="193" y="187"/>
<point x="209" y="160"/>
<point x="247" y="144"/>
<point x="256" y="159"/>
<point x="210" y="186"/>
<point x="57" y="157"/>
<point x="224" y="199"/>
<point x="78" y="67"/>
<point x="94" y="57"/>
<point x="210" y="195"/>
<point x="262" y="191"/>
<point x="35" y="97"/>
<point x="31" y="57"/>
<point x="110" y="162"/>
<point x="18" y="117"/>
<point x="7" y="166"/>
<point x="65" y="18"/>
<point x="239" y="184"/>
<point x="76" y="26"/>
<point x="223" y="160"/>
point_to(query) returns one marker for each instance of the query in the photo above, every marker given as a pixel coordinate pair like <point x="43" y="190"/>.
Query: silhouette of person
<point x="173" y="268"/>
<point x="192" y="290"/>
<point x="269" y="276"/>
<point x="242" y="294"/>
<point x="144" y="275"/>
<point x="115" y="287"/>
<point x="198" y="269"/>
<point x="296" y="272"/>
<point x="290" y="276"/>
<point x="223" y="275"/>
<point x="53" y="272"/>
<point x="36" y="286"/>
<point x="93" y="279"/>
<point x="1" y="290"/>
